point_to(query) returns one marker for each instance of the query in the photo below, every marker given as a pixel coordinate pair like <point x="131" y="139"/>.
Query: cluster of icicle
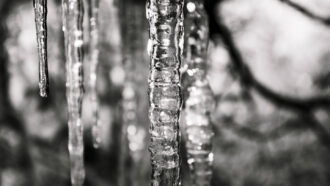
<point x="93" y="15"/>
<point x="199" y="103"/>
<point x="40" y="10"/>
<point x="73" y="13"/>
<point x="165" y="50"/>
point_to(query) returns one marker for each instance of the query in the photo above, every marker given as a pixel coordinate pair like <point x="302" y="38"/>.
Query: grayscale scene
<point x="164" y="92"/>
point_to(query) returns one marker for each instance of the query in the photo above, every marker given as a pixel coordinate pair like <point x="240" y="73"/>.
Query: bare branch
<point x="305" y="122"/>
<point x="321" y="132"/>
<point x="292" y="125"/>
<point x="308" y="13"/>
<point x="247" y="79"/>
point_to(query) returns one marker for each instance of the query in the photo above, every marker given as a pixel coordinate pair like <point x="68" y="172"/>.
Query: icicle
<point x="132" y="22"/>
<point x="200" y="101"/>
<point x="94" y="58"/>
<point x="134" y="133"/>
<point x="73" y="33"/>
<point x="132" y="29"/>
<point x="40" y="10"/>
<point x="134" y="137"/>
<point x="165" y="50"/>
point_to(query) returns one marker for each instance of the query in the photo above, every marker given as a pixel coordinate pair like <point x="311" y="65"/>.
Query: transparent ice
<point x="165" y="50"/>
<point x="73" y="12"/>
<point x="93" y="15"/>
<point x="133" y="27"/>
<point x="40" y="10"/>
<point x="199" y="101"/>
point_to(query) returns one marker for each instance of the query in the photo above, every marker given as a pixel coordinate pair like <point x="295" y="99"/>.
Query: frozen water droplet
<point x="191" y="7"/>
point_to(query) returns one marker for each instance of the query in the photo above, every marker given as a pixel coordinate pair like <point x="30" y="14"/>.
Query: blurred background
<point x="269" y="68"/>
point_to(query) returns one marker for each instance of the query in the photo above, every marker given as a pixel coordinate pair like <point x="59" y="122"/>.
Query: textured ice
<point x="133" y="30"/>
<point x="40" y="10"/>
<point x="73" y="12"/>
<point x="200" y="101"/>
<point x="93" y="16"/>
<point x="165" y="49"/>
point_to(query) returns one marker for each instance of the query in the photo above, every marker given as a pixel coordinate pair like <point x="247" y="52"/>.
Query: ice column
<point x="165" y="50"/>
<point x="199" y="102"/>
<point x="93" y="14"/>
<point x="40" y="10"/>
<point x="73" y="33"/>
<point x="133" y="32"/>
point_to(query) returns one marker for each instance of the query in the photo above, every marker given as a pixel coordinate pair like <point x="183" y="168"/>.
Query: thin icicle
<point x="93" y="13"/>
<point x="40" y="10"/>
<point x="132" y="22"/>
<point x="200" y="101"/>
<point x="134" y="135"/>
<point x="73" y="33"/>
<point x="165" y="50"/>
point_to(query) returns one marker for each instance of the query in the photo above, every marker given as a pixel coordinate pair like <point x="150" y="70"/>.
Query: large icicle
<point x="40" y="10"/>
<point x="199" y="103"/>
<point x="93" y="14"/>
<point x="165" y="50"/>
<point x="73" y="33"/>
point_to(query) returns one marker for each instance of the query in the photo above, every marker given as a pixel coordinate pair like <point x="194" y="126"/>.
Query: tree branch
<point x="247" y="79"/>
<point x="306" y="122"/>
<point x="289" y="126"/>
<point x="321" y="132"/>
<point x="306" y="12"/>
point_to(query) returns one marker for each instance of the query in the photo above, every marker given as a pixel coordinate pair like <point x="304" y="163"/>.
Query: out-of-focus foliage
<point x="257" y="141"/>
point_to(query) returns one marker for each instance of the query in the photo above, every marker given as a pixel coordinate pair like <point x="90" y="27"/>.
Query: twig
<point x="306" y="122"/>
<point x="247" y="79"/>
<point x="262" y="137"/>
<point x="306" y="12"/>
<point x="321" y="132"/>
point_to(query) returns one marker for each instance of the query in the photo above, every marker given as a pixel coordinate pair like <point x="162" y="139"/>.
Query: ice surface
<point x="93" y="15"/>
<point x="165" y="49"/>
<point x="199" y="103"/>
<point x="40" y="10"/>
<point x="73" y="12"/>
